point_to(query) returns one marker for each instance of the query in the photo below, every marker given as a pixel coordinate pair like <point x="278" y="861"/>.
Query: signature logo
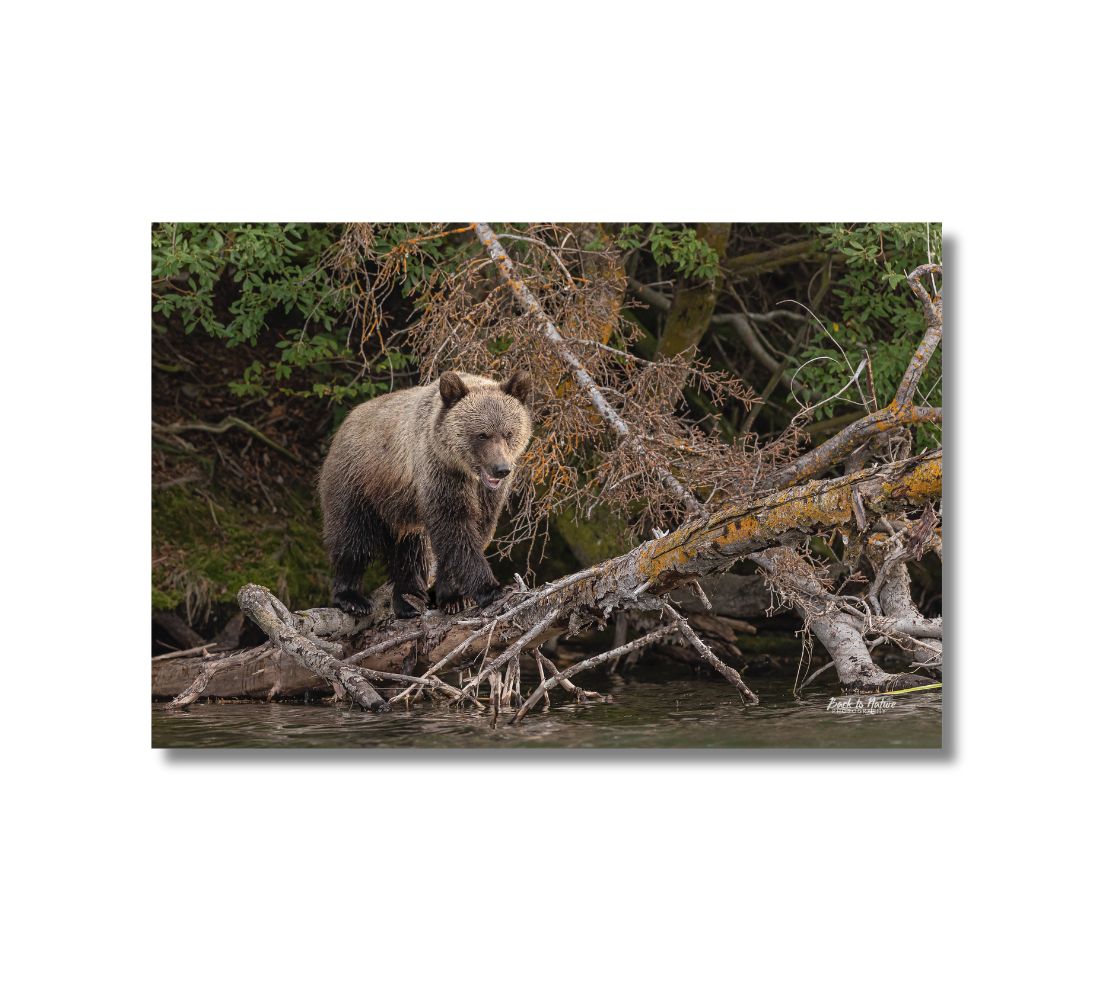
<point x="869" y="705"/>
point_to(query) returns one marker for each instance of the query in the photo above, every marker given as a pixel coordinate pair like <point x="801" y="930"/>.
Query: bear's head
<point x="485" y="427"/>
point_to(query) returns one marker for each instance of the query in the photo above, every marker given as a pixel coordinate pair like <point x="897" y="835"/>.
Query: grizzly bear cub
<point x="419" y="471"/>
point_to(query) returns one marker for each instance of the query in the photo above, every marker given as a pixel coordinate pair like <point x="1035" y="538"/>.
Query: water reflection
<point x="686" y="712"/>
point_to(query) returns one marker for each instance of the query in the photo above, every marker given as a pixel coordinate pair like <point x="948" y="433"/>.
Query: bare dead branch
<point x="592" y="661"/>
<point x="748" y="696"/>
<point x="229" y="423"/>
<point x="530" y="304"/>
<point x="276" y="622"/>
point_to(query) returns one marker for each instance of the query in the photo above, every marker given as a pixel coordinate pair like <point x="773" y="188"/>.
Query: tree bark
<point x="694" y="300"/>
<point x="761" y="261"/>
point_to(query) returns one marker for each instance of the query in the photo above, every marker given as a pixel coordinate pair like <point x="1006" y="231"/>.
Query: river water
<point x="674" y="712"/>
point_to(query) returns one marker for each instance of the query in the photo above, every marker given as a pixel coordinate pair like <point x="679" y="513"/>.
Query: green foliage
<point x="236" y="283"/>
<point x="877" y="259"/>
<point x="688" y="253"/>
<point x="269" y="286"/>
<point x="872" y="312"/>
<point x="269" y="267"/>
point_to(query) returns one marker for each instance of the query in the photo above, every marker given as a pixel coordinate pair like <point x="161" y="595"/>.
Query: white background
<point x="982" y="869"/>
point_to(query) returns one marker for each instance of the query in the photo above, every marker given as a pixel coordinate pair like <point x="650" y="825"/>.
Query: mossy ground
<point x="594" y="539"/>
<point x="206" y="546"/>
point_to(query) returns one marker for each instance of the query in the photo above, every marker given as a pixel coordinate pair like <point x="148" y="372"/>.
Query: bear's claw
<point x="452" y="606"/>
<point x="353" y="603"/>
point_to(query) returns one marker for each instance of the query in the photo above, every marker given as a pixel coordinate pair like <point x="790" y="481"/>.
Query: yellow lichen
<point x="810" y="508"/>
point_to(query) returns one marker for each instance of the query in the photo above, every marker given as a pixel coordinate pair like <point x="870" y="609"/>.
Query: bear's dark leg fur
<point x="353" y="538"/>
<point x="461" y="569"/>
<point x="408" y="569"/>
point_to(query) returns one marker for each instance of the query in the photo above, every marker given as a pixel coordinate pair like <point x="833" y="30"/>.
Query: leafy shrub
<point x="241" y="283"/>
<point x="680" y="246"/>
<point x="872" y="311"/>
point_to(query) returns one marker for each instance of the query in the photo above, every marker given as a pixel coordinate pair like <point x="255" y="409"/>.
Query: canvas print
<point x="547" y="485"/>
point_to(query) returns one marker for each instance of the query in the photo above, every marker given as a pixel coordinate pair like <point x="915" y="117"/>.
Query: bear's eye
<point x="483" y="437"/>
<point x="508" y="436"/>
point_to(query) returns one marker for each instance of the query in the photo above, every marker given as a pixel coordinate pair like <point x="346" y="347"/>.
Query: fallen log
<point x="278" y="676"/>
<point x="318" y="640"/>
<point x="283" y="677"/>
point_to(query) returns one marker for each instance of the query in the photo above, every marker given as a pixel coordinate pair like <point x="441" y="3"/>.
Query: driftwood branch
<point x="839" y="631"/>
<point x="898" y="618"/>
<point x="276" y="621"/>
<point x="748" y="696"/>
<point x="565" y="676"/>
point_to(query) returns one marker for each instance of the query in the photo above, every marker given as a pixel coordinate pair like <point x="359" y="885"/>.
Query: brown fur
<point x="406" y="477"/>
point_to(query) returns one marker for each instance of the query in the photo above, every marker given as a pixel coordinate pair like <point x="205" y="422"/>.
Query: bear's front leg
<point x="408" y="568"/>
<point x="346" y="585"/>
<point x="461" y="569"/>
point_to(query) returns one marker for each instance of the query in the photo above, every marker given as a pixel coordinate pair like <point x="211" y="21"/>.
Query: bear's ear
<point x="451" y="389"/>
<point x="517" y="386"/>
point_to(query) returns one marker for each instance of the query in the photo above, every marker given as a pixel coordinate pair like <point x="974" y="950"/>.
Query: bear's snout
<point x="493" y="478"/>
